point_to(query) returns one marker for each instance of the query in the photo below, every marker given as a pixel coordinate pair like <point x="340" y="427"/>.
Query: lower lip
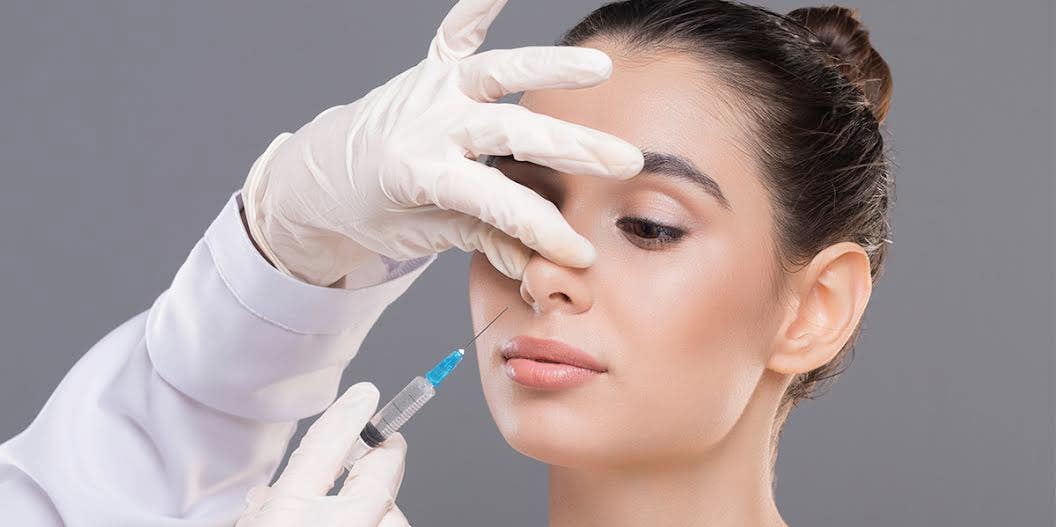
<point x="547" y="375"/>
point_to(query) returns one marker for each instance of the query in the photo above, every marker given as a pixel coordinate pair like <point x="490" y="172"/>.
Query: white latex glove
<point x="367" y="498"/>
<point x="395" y="172"/>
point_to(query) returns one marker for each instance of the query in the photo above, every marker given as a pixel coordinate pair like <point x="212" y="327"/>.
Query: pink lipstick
<point x="548" y="364"/>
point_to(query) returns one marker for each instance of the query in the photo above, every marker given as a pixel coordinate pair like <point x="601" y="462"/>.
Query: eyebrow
<point x="662" y="163"/>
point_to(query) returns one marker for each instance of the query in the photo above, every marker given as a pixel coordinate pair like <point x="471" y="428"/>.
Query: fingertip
<point x="516" y="274"/>
<point x="365" y="386"/>
<point x="636" y="165"/>
<point x="633" y="160"/>
<point x="589" y="255"/>
<point x="600" y="62"/>
<point x="364" y="390"/>
<point x="574" y="251"/>
<point x="585" y="255"/>
<point x="397" y="440"/>
<point x="506" y="254"/>
<point x="394" y="518"/>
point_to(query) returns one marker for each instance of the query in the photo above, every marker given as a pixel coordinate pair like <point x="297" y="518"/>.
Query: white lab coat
<point x="173" y="416"/>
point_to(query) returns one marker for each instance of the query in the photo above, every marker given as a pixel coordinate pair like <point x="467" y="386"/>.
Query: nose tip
<point x="547" y="286"/>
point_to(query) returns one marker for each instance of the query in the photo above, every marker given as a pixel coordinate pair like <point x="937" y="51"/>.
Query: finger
<point x="365" y="508"/>
<point x="381" y="469"/>
<point x="489" y="75"/>
<point x="394" y="518"/>
<point x="504" y="129"/>
<point x="318" y="460"/>
<point x="485" y="192"/>
<point x="285" y="511"/>
<point x="463" y="29"/>
<point x="256" y="498"/>
<point x="507" y="254"/>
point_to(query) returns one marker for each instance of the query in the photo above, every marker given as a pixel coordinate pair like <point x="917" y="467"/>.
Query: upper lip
<point x="549" y="350"/>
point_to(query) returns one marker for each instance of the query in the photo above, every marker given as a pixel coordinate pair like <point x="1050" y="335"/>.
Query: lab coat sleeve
<point x="173" y="416"/>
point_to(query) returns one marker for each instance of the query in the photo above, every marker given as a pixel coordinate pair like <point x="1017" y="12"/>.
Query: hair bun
<point x="841" y="31"/>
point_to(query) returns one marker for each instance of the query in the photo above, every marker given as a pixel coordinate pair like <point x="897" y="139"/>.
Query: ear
<point x="829" y="297"/>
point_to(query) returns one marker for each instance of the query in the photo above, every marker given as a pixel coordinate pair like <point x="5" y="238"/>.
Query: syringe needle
<point x="486" y="327"/>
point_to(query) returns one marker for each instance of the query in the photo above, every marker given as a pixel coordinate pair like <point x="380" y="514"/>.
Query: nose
<point x="547" y="286"/>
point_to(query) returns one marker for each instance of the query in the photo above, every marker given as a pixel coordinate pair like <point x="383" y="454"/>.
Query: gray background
<point x="124" y="126"/>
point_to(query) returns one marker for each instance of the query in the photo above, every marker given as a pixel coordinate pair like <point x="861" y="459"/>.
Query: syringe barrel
<point x="400" y="409"/>
<point x="391" y="417"/>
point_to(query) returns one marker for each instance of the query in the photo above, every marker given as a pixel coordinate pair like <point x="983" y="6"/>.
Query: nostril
<point x="527" y="296"/>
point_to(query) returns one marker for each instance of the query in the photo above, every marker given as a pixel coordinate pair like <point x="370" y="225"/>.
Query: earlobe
<point x="832" y="292"/>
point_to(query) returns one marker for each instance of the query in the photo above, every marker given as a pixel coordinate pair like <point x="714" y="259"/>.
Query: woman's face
<point x="682" y="326"/>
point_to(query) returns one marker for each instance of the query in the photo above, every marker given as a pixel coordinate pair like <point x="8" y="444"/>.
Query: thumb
<point x="452" y="228"/>
<point x="507" y="254"/>
<point x="394" y="518"/>
<point x="380" y="469"/>
<point x="463" y="29"/>
<point x="318" y="460"/>
<point x="374" y="480"/>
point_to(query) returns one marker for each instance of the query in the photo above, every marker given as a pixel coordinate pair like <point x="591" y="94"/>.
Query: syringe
<point x="405" y="404"/>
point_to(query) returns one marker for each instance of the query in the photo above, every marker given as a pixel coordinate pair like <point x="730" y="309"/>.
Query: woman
<point x="715" y="306"/>
<point x="731" y="274"/>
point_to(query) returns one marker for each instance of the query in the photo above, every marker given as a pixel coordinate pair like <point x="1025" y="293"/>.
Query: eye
<point x="650" y="233"/>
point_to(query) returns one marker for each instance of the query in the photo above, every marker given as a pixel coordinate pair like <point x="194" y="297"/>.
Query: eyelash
<point x="673" y="233"/>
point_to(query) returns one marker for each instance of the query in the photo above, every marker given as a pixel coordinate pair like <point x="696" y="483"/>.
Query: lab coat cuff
<point x="284" y="300"/>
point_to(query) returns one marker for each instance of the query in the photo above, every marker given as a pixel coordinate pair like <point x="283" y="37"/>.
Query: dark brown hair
<point x="816" y="92"/>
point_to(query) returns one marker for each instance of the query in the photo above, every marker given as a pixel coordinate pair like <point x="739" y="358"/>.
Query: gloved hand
<point x="395" y="172"/>
<point x="367" y="498"/>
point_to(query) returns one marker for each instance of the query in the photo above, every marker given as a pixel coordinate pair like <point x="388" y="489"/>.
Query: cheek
<point x="479" y="283"/>
<point x="700" y="345"/>
<point x="489" y="292"/>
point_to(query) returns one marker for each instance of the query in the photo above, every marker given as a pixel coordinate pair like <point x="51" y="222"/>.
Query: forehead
<point x="667" y="102"/>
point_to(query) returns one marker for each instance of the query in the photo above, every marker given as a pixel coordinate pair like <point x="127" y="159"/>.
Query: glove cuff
<point x="252" y="193"/>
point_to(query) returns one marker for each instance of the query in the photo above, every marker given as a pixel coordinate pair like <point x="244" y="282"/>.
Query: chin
<point x="562" y="428"/>
<point x="553" y="436"/>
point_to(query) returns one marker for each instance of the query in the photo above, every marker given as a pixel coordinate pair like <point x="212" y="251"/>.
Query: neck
<point x="730" y="485"/>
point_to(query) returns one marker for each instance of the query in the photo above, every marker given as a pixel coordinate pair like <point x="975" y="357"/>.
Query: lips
<point x="548" y="364"/>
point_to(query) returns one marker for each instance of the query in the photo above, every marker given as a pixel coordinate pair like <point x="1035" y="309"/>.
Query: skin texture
<point x="700" y="336"/>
